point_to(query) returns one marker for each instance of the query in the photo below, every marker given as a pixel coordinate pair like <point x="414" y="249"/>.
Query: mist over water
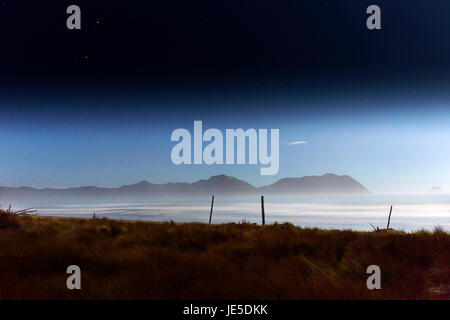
<point x="410" y="213"/>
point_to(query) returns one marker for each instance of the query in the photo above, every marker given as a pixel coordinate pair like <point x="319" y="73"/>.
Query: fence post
<point x="210" y="213"/>
<point x="389" y="219"/>
<point x="262" y="211"/>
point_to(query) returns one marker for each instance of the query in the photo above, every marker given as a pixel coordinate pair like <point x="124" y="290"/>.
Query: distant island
<point x="327" y="184"/>
<point x="436" y="190"/>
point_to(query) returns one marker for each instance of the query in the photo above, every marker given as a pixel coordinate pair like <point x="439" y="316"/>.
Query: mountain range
<point x="327" y="184"/>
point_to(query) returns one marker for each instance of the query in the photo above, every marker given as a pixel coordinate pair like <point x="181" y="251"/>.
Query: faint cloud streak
<point x="294" y="143"/>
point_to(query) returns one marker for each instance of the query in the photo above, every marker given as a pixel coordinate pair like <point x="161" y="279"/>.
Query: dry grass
<point x="8" y="218"/>
<point x="141" y="260"/>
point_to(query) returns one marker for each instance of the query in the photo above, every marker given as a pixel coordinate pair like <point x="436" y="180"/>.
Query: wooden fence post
<point x="389" y="219"/>
<point x="210" y="213"/>
<point x="262" y="211"/>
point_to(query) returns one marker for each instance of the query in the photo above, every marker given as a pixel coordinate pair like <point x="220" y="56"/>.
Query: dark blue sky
<point x="97" y="106"/>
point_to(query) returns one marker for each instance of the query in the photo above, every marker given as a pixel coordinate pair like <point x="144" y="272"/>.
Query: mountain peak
<point x="222" y="177"/>
<point x="331" y="175"/>
<point x="326" y="184"/>
<point x="222" y="184"/>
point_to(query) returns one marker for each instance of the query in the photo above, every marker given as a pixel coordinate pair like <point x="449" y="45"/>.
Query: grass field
<point x="145" y="260"/>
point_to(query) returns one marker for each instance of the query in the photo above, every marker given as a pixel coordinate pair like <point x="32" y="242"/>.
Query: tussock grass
<point x="8" y="218"/>
<point x="144" y="260"/>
